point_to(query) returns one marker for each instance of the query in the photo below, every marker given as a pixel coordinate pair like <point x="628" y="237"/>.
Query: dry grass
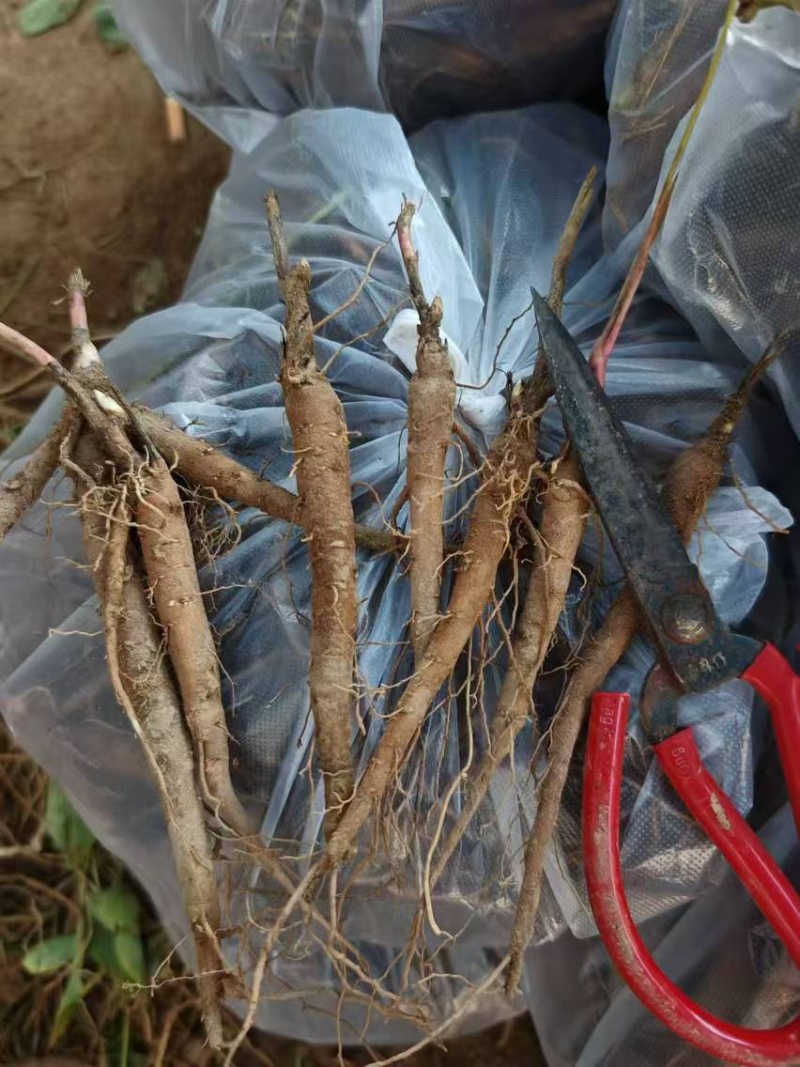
<point x="43" y="890"/>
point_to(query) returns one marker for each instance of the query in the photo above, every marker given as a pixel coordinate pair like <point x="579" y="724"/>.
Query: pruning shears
<point x="696" y="652"/>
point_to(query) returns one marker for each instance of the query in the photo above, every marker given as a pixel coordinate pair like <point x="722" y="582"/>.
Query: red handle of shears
<point x="774" y="679"/>
<point x="779" y="687"/>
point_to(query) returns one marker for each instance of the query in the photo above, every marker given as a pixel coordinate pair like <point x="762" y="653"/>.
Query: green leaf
<point x="110" y="33"/>
<point x="51" y="954"/>
<point x="115" y="908"/>
<point x="65" y="828"/>
<point x="130" y="957"/>
<point x="120" y="955"/>
<point x="39" y="16"/>
<point x="70" y="999"/>
<point x="101" y="951"/>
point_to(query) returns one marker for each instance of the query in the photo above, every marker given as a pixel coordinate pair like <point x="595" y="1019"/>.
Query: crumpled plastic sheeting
<point x="419" y="59"/>
<point x="657" y="55"/>
<point x="728" y="254"/>
<point x="719" y="950"/>
<point x="495" y="192"/>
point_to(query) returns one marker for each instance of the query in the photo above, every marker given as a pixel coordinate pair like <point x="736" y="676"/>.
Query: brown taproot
<point x="172" y="577"/>
<point x="696" y="472"/>
<point x="191" y="457"/>
<point x="202" y="464"/>
<point x="145" y="690"/>
<point x="505" y="480"/>
<point x="431" y="401"/>
<point x="322" y="464"/>
<point x="602" y="652"/>
<point x="564" y="512"/>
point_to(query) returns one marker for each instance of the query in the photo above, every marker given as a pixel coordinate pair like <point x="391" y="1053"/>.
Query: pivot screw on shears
<point x="685" y="618"/>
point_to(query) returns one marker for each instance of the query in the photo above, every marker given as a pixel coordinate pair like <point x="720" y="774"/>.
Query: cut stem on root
<point x="431" y="402"/>
<point x="82" y="346"/>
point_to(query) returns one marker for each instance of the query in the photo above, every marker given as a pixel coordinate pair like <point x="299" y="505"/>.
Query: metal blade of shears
<point x="693" y="642"/>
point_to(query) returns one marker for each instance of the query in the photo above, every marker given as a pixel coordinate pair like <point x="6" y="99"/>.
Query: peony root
<point x="169" y="562"/>
<point x="322" y="461"/>
<point x="697" y="472"/>
<point x="605" y="648"/>
<point x="431" y="400"/>
<point x="202" y="464"/>
<point x="196" y="460"/>
<point x="145" y="691"/>
<point x="564" y="514"/>
<point x="172" y="577"/>
<point x="506" y="477"/>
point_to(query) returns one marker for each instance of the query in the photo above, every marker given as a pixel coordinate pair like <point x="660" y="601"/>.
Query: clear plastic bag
<point x="728" y="255"/>
<point x="420" y="59"/>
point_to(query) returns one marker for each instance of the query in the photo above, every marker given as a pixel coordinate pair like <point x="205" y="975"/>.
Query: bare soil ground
<point x="88" y="177"/>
